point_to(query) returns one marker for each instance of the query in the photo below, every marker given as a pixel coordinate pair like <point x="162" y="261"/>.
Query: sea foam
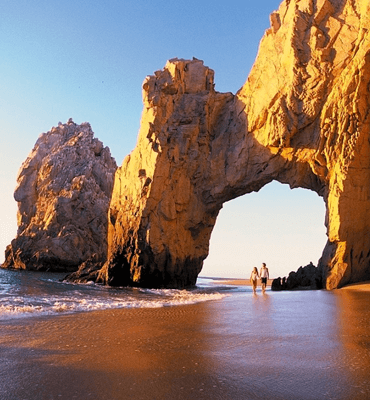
<point x="60" y="298"/>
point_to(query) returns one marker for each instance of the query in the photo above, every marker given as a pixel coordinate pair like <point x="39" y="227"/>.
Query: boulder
<point x="276" y="284"/>
<point x="87" y="272"/>
<point x="63" y="193"/>
<point x="308" y="277"/>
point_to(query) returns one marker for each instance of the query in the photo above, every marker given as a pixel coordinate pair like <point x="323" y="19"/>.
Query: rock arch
<point x="301" y="118"/>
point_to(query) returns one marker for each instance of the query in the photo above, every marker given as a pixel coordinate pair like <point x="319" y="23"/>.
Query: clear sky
<point x="87" y="59"/>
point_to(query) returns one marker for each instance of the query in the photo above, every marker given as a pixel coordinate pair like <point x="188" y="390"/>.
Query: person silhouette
<point x="253" y="279"/>
<point x="264" y="274"/>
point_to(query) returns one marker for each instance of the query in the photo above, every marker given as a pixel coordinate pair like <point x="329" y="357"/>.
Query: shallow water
<point x="27" y="294"/>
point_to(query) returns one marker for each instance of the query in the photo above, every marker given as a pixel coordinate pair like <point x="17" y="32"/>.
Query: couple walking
<point x="263" y="275"/>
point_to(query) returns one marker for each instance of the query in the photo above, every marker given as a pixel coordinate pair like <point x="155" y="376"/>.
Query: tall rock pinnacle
<point x="63" y="193"/>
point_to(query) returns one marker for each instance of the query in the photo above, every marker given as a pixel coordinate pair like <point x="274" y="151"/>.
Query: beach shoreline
<point x="276" y="345"/>
<point x="239" y="282"/>
<point x="361" y="286"/>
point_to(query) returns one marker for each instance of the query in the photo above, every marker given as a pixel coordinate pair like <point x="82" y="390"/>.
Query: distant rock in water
<point x="308" y="277"/>
<point x="63" y="193"/>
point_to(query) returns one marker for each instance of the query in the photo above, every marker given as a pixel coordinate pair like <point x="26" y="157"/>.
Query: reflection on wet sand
<point x="354" y="334"/>
<point x="277" y="345"/>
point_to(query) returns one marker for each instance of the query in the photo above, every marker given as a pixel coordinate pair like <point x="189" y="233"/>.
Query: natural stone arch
<point x="301" y="118"/>
<point x="169" y="191"/>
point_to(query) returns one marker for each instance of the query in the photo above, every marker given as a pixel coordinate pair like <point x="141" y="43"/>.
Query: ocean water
<point x="27" y="294"/>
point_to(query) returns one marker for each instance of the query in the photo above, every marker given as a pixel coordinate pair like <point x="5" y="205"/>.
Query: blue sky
<point x="87" y="60"/>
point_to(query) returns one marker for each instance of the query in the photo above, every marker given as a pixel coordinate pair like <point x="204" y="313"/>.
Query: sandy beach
<point x="241" y="282"/>
<point x="286" y="345"/>
<point x="362" y="286"/>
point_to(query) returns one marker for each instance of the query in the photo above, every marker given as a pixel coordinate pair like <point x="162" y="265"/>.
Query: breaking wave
<point x="25" y="294"/>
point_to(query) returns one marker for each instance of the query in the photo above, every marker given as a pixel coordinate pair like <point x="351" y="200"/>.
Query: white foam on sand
<point x="144" y="298"/>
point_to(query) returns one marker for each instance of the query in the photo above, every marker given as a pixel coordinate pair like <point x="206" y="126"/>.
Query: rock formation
<point x="308" y="277"/>
<point x="63" y="192"/>
<point x="315" y="109"/>
<point x="159" y="223"/>
<point x="301" y="118"/>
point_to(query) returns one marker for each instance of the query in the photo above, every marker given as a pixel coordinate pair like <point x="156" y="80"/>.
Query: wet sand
<point x="362" y="286"/>
<point x="241" y="282"/>
<point x="297" y="345"/>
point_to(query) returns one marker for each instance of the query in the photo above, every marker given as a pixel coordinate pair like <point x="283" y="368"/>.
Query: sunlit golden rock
<point x="301" y="118"/>
<point x="63" y="193"/>
<point x="308" y="97"/>
<point x="159" y="224"/>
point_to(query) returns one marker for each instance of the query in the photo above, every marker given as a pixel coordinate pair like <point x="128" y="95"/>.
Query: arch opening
<point x="280" y="226"/>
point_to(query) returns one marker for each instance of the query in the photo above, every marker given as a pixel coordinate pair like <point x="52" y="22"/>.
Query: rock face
<point x="301" y="118"/>
<point x="160" y="219"/>
<point x="63" y="193"/>
<point x="308" y="97"/>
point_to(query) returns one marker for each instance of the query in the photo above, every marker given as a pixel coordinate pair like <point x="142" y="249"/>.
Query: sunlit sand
<point x="240" y="282"/>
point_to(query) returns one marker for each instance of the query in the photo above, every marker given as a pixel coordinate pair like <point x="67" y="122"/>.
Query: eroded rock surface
<point x="63" y="193"/>
<point x="301" y="118"/>
<point x="159" y="223"/>
<point x="307" y="98"/>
